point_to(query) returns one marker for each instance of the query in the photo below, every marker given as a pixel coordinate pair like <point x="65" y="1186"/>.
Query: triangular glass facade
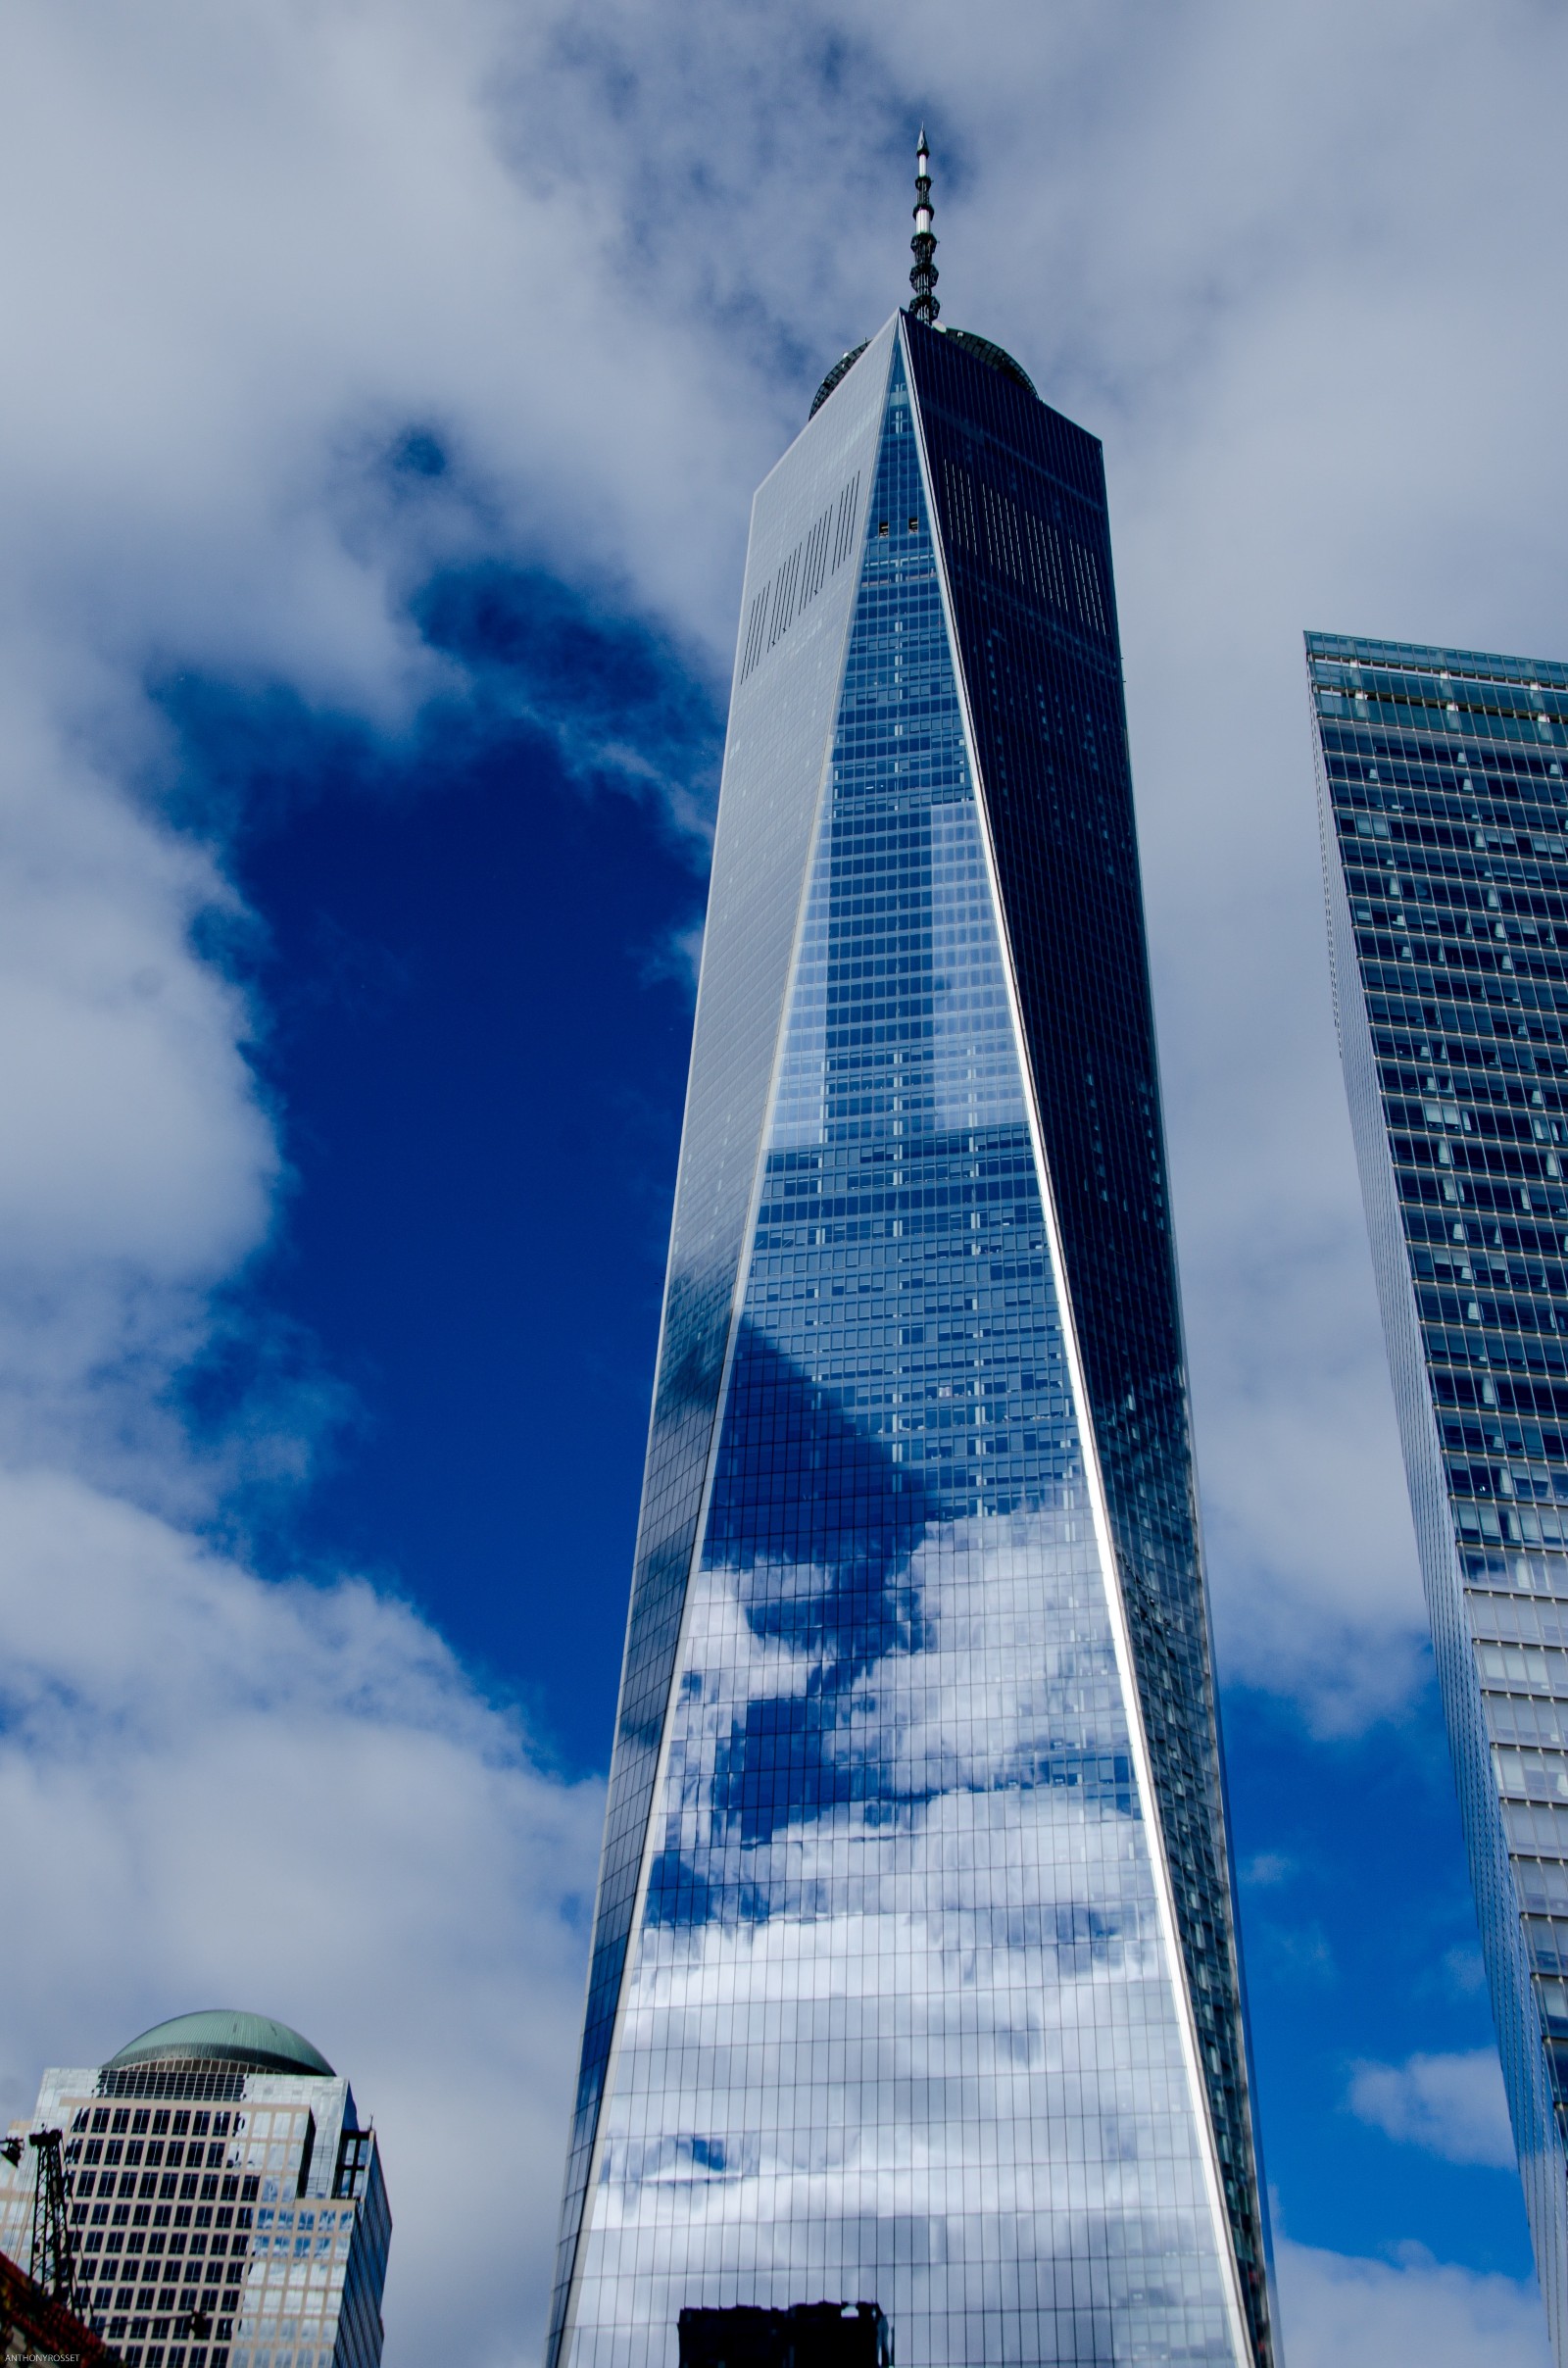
<point x="898" y="2003"/>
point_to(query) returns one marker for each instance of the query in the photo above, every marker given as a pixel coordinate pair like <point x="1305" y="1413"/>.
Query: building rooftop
<point x="982" y="347"/>
<point x="222" y="2034"/>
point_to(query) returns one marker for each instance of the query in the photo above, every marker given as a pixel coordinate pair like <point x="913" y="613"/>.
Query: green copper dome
<point x="220" y="2034"/>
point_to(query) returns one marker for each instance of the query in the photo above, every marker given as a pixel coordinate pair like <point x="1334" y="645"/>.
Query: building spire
<point x="923" y="246"/>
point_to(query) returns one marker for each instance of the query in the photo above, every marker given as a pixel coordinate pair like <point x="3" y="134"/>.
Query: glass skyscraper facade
<point x="915" y="1973"/>
<point x="1444" y="820"/>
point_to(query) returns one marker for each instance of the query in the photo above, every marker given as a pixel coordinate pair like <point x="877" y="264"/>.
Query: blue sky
<point x="383" y="392"/>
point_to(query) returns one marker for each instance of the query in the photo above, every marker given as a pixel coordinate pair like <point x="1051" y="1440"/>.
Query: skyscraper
<point x="1445" y="822"/>
<point x="915" y="1973"/>
<point x="226" y="2208"/>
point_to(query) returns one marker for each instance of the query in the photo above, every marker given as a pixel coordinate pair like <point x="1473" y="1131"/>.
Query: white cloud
<point x="138" y="1168"/>
<point x="1453" y="2105"/>
<point x="1341" y="2313"/>
<point x="266" y="244"/>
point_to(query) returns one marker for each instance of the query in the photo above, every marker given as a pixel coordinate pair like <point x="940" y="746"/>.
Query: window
<point x="353" y="2152"/>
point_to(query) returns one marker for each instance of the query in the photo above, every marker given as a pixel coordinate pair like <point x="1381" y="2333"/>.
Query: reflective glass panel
<point x="1446" y="837"/>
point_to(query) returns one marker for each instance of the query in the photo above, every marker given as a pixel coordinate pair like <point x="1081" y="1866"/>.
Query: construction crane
<point x="50" y="2263"/>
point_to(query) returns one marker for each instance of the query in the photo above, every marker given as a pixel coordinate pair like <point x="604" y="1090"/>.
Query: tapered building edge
<point x="1542" y="2163"/>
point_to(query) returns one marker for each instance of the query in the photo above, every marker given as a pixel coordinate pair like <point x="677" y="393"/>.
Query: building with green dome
<point x="226" y="2206"/>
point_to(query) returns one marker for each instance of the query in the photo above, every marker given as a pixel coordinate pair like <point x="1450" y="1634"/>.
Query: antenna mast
<point x="923" y="274"/>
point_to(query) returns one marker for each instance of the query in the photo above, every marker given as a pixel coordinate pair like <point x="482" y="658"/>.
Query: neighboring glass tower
<point x="226" y="2208"/>
<point x="1445" y="822"/>
<point x="914" y="1971"/>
